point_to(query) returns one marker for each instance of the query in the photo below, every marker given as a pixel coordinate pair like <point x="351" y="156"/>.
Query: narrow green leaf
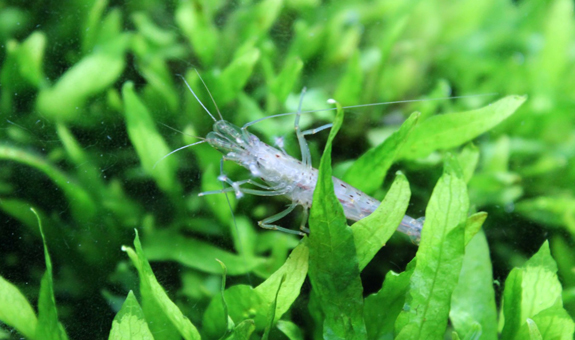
<point x="243" y="331"/>
<point x="371" y="233"/>
<point x="368" y="172"/>
<point x="473" y="225"/>
<point x="290" y="330"/>
<point x="48" y="327"/>
<point x="82" y="204"/>
<point x="439" y="258"/>
<point x="130" y="323"/>
<point x="64" y="100"/>
<point x="382" y="308"/>
<point x="200" y="31"/>
<point x="350" y="85"/>
<point x="284" y="82"/>
<point x="333" y="266"/>
<point x="512" y="296"/>
<point x="147" y="141"/>
<point x="558" y="211"/>
<point x="15" y="310"/>
<point x="453" y="129"/>
<point x="468" y="158"/>
<point x="473" y="300"/>
<point x="235" y="76"/>
<point x="30" y="59"/>
<point x="156" y="303"/>
<point x="168" y="245"/>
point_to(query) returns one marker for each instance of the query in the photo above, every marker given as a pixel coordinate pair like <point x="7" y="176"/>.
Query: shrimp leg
<point x="267" y="222"/>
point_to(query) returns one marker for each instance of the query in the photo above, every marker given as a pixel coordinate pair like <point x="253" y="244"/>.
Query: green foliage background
<point x="90" y="97"/>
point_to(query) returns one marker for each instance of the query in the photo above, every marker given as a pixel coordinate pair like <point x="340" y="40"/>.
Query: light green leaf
<point x="453" y="129"/>
<point x="130" y="323"/>
<point x="48" y="327"/>
<point x="371" y="233"/>
<point x="290" y="330"/>
<point x="368" y="172"/>
<point x="473" y="300"/>
<point x="15" y="310"/>
<point x="157" y="306"/>
<point x="382" y="308"/>
<point x="439" y="258"/>
<point x="148" y="143"/>
<point x="333" y="265"/>
<point x="168" y="245"/>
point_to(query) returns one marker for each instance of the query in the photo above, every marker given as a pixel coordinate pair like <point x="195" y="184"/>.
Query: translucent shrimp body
<point x="287" y="176"/>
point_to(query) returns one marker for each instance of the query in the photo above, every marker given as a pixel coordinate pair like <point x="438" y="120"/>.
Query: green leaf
<point x="48" y="327"/>
<point x="157" y="306"/>
<point x="169" y="245"/>
<point x="15" y="310"/>
<point x="243" y="302"/>
<point x="130" y="323"/>
<point x="290" y="330"/>
<point x="372" y="232"/>
<point x="382" y="308"/>
<point x="235" y="76"/>
<point x="65" y="100"/>
<point x="439" y="258"/>
<point x="243" y="331"/>
<point x="453" y="129"/>
<point x="468" y="158"/>
<point x="293" y="274"/>
<point x="473" y="225"/>
<point x="149" y="144"/>
<point x="195" y="24"/>
<point x="529" y="290"/>
<point x="368" y="172"/>
<point x="350" y="85"/>
<point x="333" y="264"/>
<point x="284" y="82"/>
<point x="551" y="323"/>
<point x="82" y="204"/>
<point x="473" y="300"/>
<point x="549" y="210"/>
<point x="30" y="59"/>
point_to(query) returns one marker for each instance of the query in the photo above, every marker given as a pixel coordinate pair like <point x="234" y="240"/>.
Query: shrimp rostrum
<point x="283" y="175"/>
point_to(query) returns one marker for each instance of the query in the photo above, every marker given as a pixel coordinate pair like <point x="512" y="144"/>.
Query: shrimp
<point x="283" y="175"/>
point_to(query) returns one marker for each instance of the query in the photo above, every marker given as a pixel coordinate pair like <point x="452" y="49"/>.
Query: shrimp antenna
<point x="207" y="89"/>
<point x="178" y="149"/>
<point x="366" y="105"/>
<point x="198" y="99"/>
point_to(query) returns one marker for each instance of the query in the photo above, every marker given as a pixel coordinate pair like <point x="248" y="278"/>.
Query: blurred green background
<point x="91" y="100"/>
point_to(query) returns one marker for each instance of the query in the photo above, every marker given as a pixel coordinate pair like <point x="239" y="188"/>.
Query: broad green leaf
<point x="368" y="172"/>
<point x="439" y="258"/>
<point x="82" y="204"/>
<point x="333" y="264"/>
<point x="130" y="323"/>
<point x="382" y="308"/>
<point x="473" y="300"/>
<point x="157" y="306"/>
<point x="16" y="311"/>
<point x="453" y="129"/>
<point x="551" y="323"/>
<point x="48" y="326"/>
<point x="235" y="76"/>
<point x="65" y="100"/>
<point x="295" y="271"/>
<point x="243" y="303"/>
<point x="549" y="210"/>
<point x="530" y="290"/>
<point x="168" y="245"/>
<point x="372" y="232"/>
<point x="148" y="143"/>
